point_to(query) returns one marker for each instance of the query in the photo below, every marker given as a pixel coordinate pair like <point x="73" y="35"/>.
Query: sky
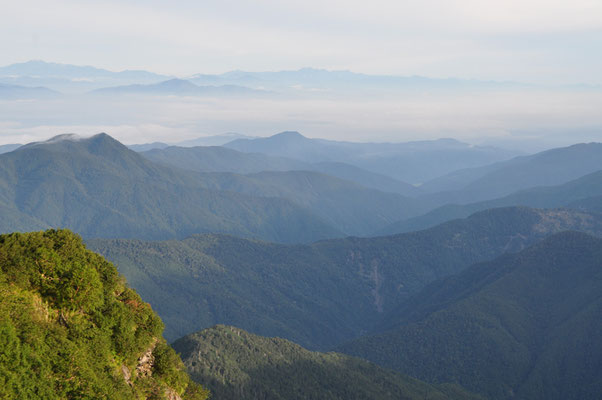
<point x="536" y="41"/>
<point x="549" y="43"/>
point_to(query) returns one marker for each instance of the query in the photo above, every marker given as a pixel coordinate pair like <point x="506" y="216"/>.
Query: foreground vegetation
<point x="70" y="328"/>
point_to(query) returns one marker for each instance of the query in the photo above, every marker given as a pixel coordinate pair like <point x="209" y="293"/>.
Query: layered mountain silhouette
<point x="6" y="148"/>
<point x="16" y="92"/>
<point x="214" y="140"/>
<point x="99" y="188"/>
<point x="72" y="78"/>
<point x="582" y="193"/>
<point x="179" y="87"/>
<point x="547" y="168"/>
<point x="222" y="159"/>
<point x="306" y="79"/>
<point x="412" y="162"/>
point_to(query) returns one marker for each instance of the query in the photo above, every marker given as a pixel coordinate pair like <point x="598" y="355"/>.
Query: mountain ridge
<point x="224" y="159"/>
<point x="501" y="327"/>
<point x="325" y="293"/>
<point x="113" y="191"/>
<point x="179" y="87"/>
<point x="409" y="162"/>
<point x="572" y="194"/>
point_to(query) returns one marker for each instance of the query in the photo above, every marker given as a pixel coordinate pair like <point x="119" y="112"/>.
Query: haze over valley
<point x="41" y="99"/>
<point x="301" y="200"/>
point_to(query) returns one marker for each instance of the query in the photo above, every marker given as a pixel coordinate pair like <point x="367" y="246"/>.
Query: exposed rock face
<point x="145" y="362"/>
<point x="144" y="369"/>
<point x="172" y="395"/>
<point x="127" y="375"/>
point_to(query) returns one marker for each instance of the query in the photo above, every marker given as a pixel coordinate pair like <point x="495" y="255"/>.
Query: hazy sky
<point x="548" y="42"/>
<point x="541" y="41"/>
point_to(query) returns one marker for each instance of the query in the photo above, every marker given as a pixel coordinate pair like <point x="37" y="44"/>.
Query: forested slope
<point x="525" y="326"/>
<point x="70" y="328"/>
<point x="323" y="294"/>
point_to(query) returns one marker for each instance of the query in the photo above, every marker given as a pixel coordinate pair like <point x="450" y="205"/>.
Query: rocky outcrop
<point x="145" y="362"/>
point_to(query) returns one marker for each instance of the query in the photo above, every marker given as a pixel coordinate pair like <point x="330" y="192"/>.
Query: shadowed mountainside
<point x="524" y="326"/>
<point x="323" y="294"/>
<point x="581" y="193"/>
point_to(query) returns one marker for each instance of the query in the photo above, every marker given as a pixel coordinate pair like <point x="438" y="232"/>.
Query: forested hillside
<point x="524" y="326"/>
<point x="237" y="365"/>
<point x="70" y="328"/>
<point x="99" y="188"/>
<point x="323" y="294"/>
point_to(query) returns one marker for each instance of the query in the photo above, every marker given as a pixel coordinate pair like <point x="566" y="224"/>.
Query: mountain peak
<point x="177" y="83"/>
<point x="102" y="137"/>
<point x="103" y="142"/>
<point x="99" y="143"/>
<point x="73" y="137"/>
<point x="64" y="137"/>
<point x="290" y="135"/>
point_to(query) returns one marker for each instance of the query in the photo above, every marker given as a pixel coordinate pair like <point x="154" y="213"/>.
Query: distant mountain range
<point x="582" y="193"/>
<point x="100" y="188"/>
<point x="223" y="159"/>
<point x="214" y="140"/>
<point x="307" y="80"/>
<point x="329" y="197"/>
<point x="323" y="294"/>
<point x="179" y="87"/>
<point x="523" y="326"/>
<point x="74" y="78"/>
<point x="359" y="161"/>
<point x="16" y="92"/>
<point x="6" y="148"/>
<point x="551" y="167"/>
<point x="412" y="162"/>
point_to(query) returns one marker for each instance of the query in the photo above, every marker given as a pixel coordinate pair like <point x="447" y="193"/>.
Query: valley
<point x="250" y="266"/>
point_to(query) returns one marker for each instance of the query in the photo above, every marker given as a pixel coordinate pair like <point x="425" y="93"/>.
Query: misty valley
<point x="301" y="200"/>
